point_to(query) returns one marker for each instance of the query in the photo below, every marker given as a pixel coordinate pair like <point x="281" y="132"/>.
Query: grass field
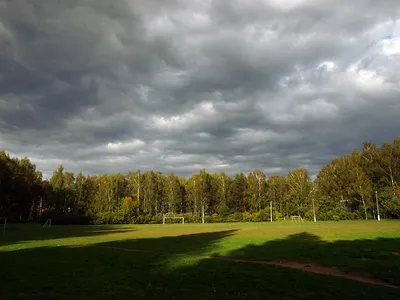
<point x="94" y="262"/>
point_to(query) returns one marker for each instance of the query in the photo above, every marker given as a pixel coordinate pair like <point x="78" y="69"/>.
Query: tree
<point x="237" y="193"/>
<point x="61" y="184"/>
<point x="220" y="184"/>
<point x="204" y="187"/>
<point x="84" y="194"/>
<point x="134" y="186"/>
<point x="129" y="208"/>
<point x="110" y="192"/>
<point x="349" y="180"/>
<point x="173" y="193"/>
<point x="299" y="189"/>
<point x="199" y="188"/>
<point x="256" y="190"/>
<point x="149" y="192"/>
<point x="389" y="161"/>
<point x="360" y="184"/>
<point x="160" y="193"/>
<point x="21" y="190"/>
<point x="277" y="190"/>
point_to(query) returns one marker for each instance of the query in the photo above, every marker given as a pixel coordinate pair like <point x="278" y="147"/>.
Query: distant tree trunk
<point x="313" y="206"/>
<point x="202" y="213"/>
<point x="363" y="201"/>
<point x="138" y="190"/>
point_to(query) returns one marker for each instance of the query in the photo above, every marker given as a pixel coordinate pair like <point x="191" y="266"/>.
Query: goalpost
<point x="183" y="219"/>
<point x="4" y="222"/>
<point x="47" y="224"/>
<point x="296" y="218"/>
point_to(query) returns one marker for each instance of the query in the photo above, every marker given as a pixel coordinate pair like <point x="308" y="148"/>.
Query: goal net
<point x="296" y="219"/>
<point x="182" y="218"/>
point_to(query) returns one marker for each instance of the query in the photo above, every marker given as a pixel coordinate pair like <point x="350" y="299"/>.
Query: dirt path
<point x="307" y="267"/>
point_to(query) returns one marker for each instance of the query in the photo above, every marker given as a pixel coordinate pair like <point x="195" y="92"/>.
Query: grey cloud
<point x="181" y="85"/>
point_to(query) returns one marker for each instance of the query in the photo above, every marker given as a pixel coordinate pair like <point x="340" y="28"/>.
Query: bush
<point x="236" y="217"/>
<point x="117" y="217"/>
<point x="223" y="210"/>
<point x="248" y="217"/>
<point x="264" y="215"/>
<point x="277" y="216"/>
<point x="142" y="219"/>
<point x="215" y="218"/>
<point x="156" y="220"/>
<point x="346" y="215"/>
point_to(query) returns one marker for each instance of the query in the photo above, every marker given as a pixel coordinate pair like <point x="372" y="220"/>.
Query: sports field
<point x="281" y="260"/>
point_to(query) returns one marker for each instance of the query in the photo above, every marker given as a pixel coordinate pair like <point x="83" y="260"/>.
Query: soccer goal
<point x="183" y="219"/>
<point x="296" y="218"/>
<point x="47" y="224"/>
<point x="3" y="222"/>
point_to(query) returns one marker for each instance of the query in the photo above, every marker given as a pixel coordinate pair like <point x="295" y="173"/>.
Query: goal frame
<point x="183" y="219"/>
<point x="4" y="224"/>
<point x="296" y="218"/>
<point x="48" y="223"/>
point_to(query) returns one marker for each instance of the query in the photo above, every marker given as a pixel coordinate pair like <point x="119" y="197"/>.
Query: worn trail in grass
<point x="32" y="257"/>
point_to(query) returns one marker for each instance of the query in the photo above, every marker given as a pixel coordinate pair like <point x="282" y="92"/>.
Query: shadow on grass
<point x="379" y="257"/>
<point x="101" y="272"/>
<point x="17" y="233"/>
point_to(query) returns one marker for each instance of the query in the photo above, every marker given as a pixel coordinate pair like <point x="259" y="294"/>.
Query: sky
<point x="179" y="85"/>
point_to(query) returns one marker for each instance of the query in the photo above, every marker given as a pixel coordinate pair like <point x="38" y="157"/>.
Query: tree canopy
<point x="343" y="189"/>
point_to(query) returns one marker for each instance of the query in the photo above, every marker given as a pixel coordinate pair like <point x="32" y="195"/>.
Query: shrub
<point x="346" y="215"/>
<point x="277" y="216"/>
<point x="264" y="215"/>
<point x="247" y="217"/>
<point x="142" y="219"/>
<point x="223" y="210"/>
<point x="117" y="217"/>
<point x="215" y="218"/>
<point x="156" y="220"/>
<point x="236" y="217"/>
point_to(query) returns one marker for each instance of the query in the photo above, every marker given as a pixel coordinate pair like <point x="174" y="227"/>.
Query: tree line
<point x="352" y="186"/>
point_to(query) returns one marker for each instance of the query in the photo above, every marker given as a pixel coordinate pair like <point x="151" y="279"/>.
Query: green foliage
<point x="235" y="217"/>
<point x="352" y="181"/>
<point x="223" y="210"/>
<point x="215" y="218"/>
<point x="110" y="218"/>
<point x="277" y="216"/>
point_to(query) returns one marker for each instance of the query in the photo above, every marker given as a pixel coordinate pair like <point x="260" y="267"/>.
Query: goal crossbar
<point x="183" y="219"/>
<point x="295" y="218"/>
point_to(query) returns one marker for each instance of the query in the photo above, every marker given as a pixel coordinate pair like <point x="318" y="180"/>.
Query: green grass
<point x="73" y="262"/>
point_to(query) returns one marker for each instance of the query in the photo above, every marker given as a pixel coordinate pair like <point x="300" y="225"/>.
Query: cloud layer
<point x="175" y="85"/>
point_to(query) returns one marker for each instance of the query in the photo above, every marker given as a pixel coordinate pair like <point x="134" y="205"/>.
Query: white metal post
<point x="270" y="205"/>
<point x="313" y="206"/>
<point x="377" y="205"/>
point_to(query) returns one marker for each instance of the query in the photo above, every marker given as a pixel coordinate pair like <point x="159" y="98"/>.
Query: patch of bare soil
<point x="307" y="267"/>
<point x="332" y="271"/>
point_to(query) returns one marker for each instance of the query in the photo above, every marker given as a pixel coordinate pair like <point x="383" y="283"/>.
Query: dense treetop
<point x="346" y="188"/>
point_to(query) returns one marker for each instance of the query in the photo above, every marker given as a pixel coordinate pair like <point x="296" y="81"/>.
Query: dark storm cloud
<point x="109" y="86"/>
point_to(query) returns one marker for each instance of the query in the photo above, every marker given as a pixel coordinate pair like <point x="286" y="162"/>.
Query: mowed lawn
<point x="140" y="261"/>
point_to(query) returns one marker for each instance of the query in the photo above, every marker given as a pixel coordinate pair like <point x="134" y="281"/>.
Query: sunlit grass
<point x="81" y="262"/>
